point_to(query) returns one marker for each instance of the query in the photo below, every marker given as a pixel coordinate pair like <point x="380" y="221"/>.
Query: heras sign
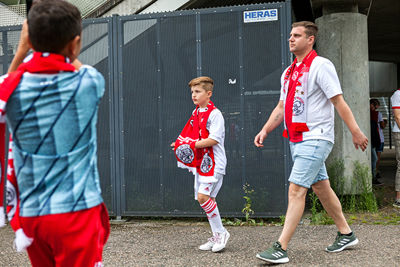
<point x="260" y="15"/>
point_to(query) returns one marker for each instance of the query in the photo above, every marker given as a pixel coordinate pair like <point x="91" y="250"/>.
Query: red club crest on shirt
<point x="294" y="76"/>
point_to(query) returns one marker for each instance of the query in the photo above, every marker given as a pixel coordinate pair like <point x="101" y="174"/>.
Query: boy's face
<point x="200" y="96"/>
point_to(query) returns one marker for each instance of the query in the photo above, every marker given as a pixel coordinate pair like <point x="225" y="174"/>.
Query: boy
<point x="200" y="148"/>
<point x="51" y="108"/>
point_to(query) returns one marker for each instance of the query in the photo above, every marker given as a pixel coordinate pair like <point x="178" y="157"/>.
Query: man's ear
<point x="312" y="39"/>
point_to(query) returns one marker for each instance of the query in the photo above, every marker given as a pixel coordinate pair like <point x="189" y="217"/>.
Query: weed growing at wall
<point x="360" y="182"/>
<point x="247" y="210"/>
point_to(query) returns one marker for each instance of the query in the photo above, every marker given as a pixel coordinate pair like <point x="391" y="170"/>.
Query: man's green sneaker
<point x="274" y="254"/>
<point x="342" y="242"/>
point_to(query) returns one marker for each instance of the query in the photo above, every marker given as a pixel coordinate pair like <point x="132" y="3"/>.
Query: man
<point x="395" y="99"/>
<point x="310" y="89"/>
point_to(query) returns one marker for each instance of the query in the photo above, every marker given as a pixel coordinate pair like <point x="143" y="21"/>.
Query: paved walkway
<point x="174" y="243"/>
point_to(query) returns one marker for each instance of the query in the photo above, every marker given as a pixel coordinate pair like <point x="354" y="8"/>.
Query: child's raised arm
<point x="22" y="50"/>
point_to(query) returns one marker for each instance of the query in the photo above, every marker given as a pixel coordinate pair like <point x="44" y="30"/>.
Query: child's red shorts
<point x="68" y="239"/>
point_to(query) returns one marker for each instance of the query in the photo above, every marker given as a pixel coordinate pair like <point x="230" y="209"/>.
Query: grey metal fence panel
<point x="97" y="52"/>
<point x="147" y="61"/>
<point x="3" y="46"/>
<point x="160" y="53"/>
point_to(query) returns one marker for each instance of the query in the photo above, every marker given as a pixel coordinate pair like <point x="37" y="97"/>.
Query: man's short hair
<point x="205" y="82"/>
<point x="52" y="24"/>
<point x="311" y="27"/>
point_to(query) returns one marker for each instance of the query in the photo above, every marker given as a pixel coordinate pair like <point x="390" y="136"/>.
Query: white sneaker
<point x="209" y="245"/>
<point x="220" y="241"/>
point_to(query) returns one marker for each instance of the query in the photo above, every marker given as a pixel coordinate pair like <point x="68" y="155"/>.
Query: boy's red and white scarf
<point x="36" y="63"/>
<point x="296" y="78"/>
<point x="200" y="161"/>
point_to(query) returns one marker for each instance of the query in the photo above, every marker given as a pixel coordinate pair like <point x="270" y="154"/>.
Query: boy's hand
<point x="360" y="140"/>
<point x="259" y="139"/>
<point x="172" y="145"/>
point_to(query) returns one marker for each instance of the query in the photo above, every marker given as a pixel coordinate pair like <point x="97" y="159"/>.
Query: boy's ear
<point x="74" y="47"/>
<point x="77" y="45"/>
<point x="30" y="43"/>
<point x="209" y="93"/>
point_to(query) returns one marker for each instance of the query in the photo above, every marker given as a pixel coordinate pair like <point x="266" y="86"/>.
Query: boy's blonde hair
<point x="205" y="82"/>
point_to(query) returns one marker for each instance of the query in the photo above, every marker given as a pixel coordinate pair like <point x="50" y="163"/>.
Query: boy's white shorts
<point x="209" y="189"/>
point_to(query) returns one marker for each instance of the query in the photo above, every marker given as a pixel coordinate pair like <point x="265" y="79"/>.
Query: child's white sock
<point x="214" y="218"/>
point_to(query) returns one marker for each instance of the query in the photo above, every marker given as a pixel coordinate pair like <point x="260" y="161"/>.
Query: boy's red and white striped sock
<point x="214" y="218"/>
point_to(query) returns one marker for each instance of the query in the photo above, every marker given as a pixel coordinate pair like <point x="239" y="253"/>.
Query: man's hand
<point x="259" y="139"/>
<point x="360" y="140"/>
<point x="172" y="145"/>
<point x="275" y="119"/>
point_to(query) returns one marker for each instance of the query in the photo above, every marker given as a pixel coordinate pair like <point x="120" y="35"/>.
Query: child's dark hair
<point x="52" y="24"/>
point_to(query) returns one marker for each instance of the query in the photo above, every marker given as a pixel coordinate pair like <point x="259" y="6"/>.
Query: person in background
<point x="395" y="100"/>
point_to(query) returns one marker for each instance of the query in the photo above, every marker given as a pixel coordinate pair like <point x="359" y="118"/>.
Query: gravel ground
<point x="174" y="243"/>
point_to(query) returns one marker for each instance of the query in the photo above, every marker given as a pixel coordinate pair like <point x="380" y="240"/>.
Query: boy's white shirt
<point x="323" y="84"/>
<point x="395" y="99"/>
<point x="216" y="127"/>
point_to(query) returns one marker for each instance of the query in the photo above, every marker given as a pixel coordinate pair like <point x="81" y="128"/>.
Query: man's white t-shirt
<point x="323" y="84"/>
<point x="395" y="100"/>
<point x="216" y="128"/>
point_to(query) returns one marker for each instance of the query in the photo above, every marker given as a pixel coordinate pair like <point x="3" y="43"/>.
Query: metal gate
<point x="147" y="61"/>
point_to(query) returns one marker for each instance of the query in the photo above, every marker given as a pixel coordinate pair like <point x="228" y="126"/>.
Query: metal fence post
<point x="116" y="44"/>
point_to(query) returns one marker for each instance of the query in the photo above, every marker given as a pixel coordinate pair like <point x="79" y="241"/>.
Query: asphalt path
<point x="175" y="243"/>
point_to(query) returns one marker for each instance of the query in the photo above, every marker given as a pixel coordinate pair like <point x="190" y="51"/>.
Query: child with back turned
<point x="200" y="148"/>
<point x="50" y="102"/>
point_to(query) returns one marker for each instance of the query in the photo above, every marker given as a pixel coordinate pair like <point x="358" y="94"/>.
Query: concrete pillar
<point x="343" y="39"/>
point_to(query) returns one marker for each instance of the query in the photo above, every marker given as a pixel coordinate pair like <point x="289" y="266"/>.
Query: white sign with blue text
<point x="260" y="15"/>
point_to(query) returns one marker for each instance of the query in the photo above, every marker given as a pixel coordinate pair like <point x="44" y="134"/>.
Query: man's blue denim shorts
<point x="309" y="161"/>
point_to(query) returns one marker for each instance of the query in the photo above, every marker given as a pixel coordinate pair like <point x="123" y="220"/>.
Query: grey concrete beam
<point x="343" y="39"/>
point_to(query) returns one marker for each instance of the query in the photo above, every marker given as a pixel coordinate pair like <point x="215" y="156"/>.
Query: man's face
<point x="299" y="42"/>
<point x="200" y="96"/>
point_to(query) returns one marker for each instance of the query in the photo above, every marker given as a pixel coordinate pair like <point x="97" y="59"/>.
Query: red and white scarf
<point x="199" y="160"/>
<point x="296" y="78"/>
<point x="36" y="63"/>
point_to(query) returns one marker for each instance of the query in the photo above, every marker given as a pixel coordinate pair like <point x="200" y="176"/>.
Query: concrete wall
<point x="343" y="39"/>
<point x="382" y="78"/>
